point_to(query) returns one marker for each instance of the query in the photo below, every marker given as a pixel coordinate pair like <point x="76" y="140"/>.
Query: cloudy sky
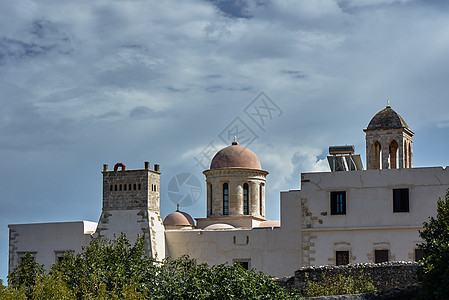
<point x="83" y="83"/>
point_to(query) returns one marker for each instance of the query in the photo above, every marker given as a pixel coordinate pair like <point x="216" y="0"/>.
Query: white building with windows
<point x="348" y="215"/>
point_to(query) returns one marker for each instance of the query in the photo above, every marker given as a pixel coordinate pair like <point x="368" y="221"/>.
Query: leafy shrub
<point x="118" y="270"/>
<point x="339" y="285"/>
<point x="434" y="269"/>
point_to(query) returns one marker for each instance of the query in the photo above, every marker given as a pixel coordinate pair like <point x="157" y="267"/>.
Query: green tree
<point x="26" y="274"/>
<point x="434" y="269"/>
<point x="106" y="268"/>
<point x="118" y="270"/>
<point x="10" y="293"/>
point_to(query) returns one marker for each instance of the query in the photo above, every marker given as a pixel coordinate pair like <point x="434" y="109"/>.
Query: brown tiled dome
<point x="179" y="218"/>
<point x="235" y="156"/>
<point x="387" y="118"/>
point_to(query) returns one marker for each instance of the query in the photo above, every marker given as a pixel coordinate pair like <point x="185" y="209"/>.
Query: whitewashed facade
<point x="333" y="218"/>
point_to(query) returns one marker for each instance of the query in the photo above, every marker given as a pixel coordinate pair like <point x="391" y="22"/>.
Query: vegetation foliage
<point x="434" y="269"/>
<point x="338" y="284"/>
<point x="119" y="270"/>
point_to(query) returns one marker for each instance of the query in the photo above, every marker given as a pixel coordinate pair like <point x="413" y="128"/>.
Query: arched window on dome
<point x="261" y="199"/>
<point x="210" y="202"/>
<point x="225" y="198"/>
<point x="245" y="199"/>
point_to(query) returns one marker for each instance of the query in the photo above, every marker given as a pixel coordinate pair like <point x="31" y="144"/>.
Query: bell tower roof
<point x="387" y="118"/>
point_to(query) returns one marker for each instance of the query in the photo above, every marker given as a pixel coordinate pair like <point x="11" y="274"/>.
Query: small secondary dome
<point x="179" y="218"/>
<point x="235" y="156"/>
<point x="387" y="118"/>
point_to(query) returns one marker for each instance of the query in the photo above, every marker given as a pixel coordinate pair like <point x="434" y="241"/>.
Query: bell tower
<point x="389" y="142"/>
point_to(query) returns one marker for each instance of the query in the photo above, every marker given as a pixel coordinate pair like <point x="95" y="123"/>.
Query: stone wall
<point x="385" y="276"/>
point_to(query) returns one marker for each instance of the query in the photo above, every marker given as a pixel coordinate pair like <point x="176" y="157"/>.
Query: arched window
<point x="211" y="199"/>
<point x="393" y="154"/>
<point x="406" y="155"/>
<point x="225" y="199"/>
<point x="245" y="199"/>
<point x="410" y="155"/>
<point x="261" y="200"/>
<point x="377" y="155"/>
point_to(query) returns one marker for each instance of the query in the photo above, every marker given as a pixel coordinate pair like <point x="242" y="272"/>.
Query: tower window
<point x="135" y="186"/>
<point x="129" y="186"/>
<point x="111" y="188"/>
<point x="338" y="203"/>
<point x="260" y="200"/>
<point x="140" y="186"/>
<point x="245" y="199"/>
<point x="124" y="187"/>
<point x="120" y="187"/>
<point x="225" y="199"/>
<point x="115" y="187"/>
<point x="400" y="200"/>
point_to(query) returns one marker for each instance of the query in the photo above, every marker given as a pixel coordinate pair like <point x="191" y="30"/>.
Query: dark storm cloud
<point x="294" y="74"/>
<point x="44" y="38"/>
<point x="144" y="112"/>
<point x="233" y="8"/>
<point x="11" y="49"/>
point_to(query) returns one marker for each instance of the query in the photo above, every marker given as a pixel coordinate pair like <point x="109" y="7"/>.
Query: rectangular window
<point x="59" y="254"/>
<point x="380" y="256"/>
<point x="244" y="262"/>
<point x="419" y="254"/>
<point x="22" y="255"/>
<point x="400" y="200"/>
<point x="342" y="258"/>
<point x="338" y="203"/>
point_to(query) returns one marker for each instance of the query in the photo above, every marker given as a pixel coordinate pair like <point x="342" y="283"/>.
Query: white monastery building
<point x="347" y="215"/>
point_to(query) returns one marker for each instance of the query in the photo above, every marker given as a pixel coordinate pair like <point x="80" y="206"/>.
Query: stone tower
<point x="389" y="142"/>
<point x="235" y="188"/>
<point x="131" y="205"/>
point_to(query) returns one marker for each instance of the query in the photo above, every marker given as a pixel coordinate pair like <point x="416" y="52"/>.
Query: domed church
<point x="346" y="215"/>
